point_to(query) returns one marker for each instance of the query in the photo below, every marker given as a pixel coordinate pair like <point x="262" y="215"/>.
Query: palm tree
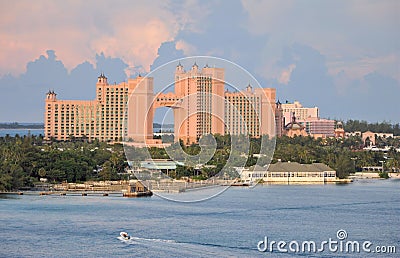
<point x="42" y="172"/>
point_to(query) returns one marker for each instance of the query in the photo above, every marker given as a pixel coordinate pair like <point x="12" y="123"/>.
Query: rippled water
<point x="229" y="225"/>
<point x="20" y="132"/>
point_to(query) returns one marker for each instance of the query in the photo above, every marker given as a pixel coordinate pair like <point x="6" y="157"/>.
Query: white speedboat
<point x="125" y="235"/>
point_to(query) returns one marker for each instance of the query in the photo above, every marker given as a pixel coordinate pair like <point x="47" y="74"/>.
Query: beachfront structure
<point x="301" y="113"/>
<point x="200" y="106"/>
<point x="290" y="173"/>
<point x="160" y="165"/>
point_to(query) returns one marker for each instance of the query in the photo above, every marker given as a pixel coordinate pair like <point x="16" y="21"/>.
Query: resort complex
<point x="200" y="105"/>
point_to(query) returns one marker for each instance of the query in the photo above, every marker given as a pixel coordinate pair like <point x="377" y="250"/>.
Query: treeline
<point x="24" y="160"/>
<point x="343" y="155"/>
<point x="363" y="126"/>
<point x="16" y="125"/>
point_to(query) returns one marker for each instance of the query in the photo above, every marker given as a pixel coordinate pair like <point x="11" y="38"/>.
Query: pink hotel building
<point x="200" y="104"/>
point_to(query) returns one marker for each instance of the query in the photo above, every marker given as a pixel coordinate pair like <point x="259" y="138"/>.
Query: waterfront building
<point x="160" y="165"/>
<point x="289" y="173"/>
<point x="301" y="113"/>
<point x="200" y="106"/>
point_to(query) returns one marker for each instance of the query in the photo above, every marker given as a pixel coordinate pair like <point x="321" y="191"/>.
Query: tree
<point x="57" y="175"/>
<point x="344" y="166"/>
<point x="108" y="172"/>
<point x="42" y="172"/>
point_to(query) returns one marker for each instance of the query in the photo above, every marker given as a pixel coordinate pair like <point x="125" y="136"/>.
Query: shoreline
<point x="121" y="192"/>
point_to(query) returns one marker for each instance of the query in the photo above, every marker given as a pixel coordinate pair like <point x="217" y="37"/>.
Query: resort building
<point x="294" y="128"/>
<point x="200" y="106"/>
<point x="369" y="138"/>
<point x="290" y="173"/>
<point x="279" y="119"/>
<point x="318" y="127"/>
<point x="102" y="118"/>
<point x="246" y="110"/>
<point x="301" y="113"/>
<point x="339" y="130"/>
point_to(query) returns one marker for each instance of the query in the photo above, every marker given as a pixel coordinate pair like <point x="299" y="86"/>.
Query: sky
<point x="342" y="56"/>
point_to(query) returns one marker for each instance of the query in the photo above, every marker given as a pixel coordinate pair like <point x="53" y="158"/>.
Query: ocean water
<point x="20" y="132"/>
<point x="229" y="225"/>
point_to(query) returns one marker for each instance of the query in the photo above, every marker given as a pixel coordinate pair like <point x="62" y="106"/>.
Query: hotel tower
<point x="200" y="105"/>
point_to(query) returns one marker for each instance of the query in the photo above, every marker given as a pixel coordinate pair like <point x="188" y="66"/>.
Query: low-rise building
<point x="319" y="127"/>
<point x="294" y="128"/>
<point x="369" y="138"/>
<point x="290" y="173"/>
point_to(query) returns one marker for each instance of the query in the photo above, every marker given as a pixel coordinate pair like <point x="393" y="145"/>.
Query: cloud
<point x="309" y="79"/>
<point x="188" y="49"/>
<point x="324" y="53"/>
<point x="22" y="97"/>
<point x="374" y="97"/>
<point x="80" y="29"/>
<point x="371" y="97"/>
<point x="284" y="78"/>
<point x="167" y="52"/>
<point x="343" y="31"/>
<point x="357" y="68"/>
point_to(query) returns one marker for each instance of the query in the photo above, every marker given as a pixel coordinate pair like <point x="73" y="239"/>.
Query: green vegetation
<point x="344" y="155"/>
<point x="363" y="126"/>
<point x="384" y="175"/>
<point x="24" y="160"/>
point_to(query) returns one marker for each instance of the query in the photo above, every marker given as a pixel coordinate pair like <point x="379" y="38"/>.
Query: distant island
<point x="157" y="125"/>
<point x="15" y="125"/>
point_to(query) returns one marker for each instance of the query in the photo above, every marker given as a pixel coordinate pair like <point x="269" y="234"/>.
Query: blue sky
<point x="342" y="56"/>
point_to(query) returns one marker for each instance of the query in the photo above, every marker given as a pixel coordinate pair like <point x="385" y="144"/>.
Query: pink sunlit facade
<point x="125" y="111"/>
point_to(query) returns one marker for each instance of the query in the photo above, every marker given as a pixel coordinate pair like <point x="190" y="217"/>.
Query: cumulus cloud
<point x="343" y="31"/>
<point x="23" y="95"/>
<point x="284" y="78"/>
<point x="80" y="29"/>
<point x="188" y="49"/>
<point x="319" y="52"/>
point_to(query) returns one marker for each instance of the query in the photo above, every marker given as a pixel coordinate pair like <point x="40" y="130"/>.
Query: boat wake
<point x="133" y="240"/>
<point x="169" y="242"/>
<point x="158" y="247"/>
